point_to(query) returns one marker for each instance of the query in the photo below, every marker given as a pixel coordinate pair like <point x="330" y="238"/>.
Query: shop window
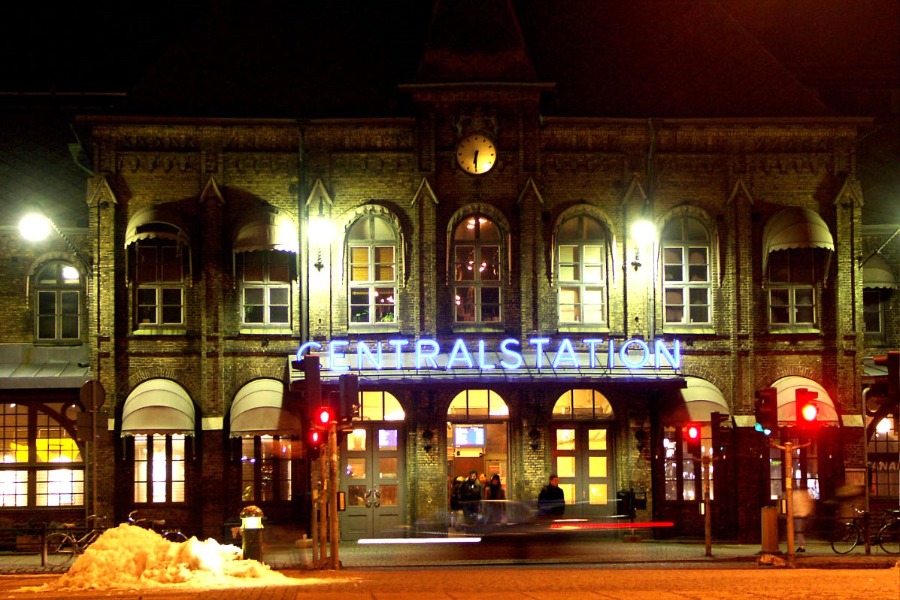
<point x="687" y="284"/>
<point x="791" y="288"/>
<point x="159" y="468"/>
<point x="372" y="248"/>
<point x="581" y="270"/>
<point x="58" y="291"/>
<point x="874" y="301"/>
<point x="159" y="271"/>
<point x="42" y="464"/>
<point x="683" y="473"/>
<point x="884" y="448"/>
<point x="266" y="468"/>
<point x="476" y="271"/>
<point x="266" y="288"/>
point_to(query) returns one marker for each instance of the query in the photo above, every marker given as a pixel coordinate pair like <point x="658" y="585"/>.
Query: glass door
<point x="371" y="472"/>
<point x="582" y="460"/>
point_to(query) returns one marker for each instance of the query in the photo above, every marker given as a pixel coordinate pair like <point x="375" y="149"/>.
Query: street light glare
<point x="34" y="227"/>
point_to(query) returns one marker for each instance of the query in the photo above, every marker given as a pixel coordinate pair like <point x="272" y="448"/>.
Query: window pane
<point x="597" y="440"/>
<point x="359" y="264"/>
<point x="279" y="266"/>
<point x="254" y="266"/>
<point x="356" y="468"/>
<point x="387" y="468"/>
<point x="598" y="494"/>
<point x="465" y="304"/>
<point x="387" y="439"/>
<point x="170" y="267"/>
<point x="565" y="439"/>
<point x="359" y="305"/>
<point x="146" y="267"/>
<point x="487" y="231"/>
<point x="489" y="268"/>
<point x="465" y="263"/>
<point x="565" y="467"/>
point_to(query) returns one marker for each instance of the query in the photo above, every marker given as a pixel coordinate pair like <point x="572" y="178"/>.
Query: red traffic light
<point x="807" y="407"/>
<point x="692" y="433"/>
<point x="316" y="437"/>
<point x="809" y="412"/>
<point x="324" y="415"/>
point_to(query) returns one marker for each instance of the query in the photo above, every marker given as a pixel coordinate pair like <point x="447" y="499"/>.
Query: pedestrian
<point x="455" y="502"/>
<point x="495" y="496"/>
<point x="803" y="510"/>
<point x="552" y="499"/>
<point x="470" y="497"/>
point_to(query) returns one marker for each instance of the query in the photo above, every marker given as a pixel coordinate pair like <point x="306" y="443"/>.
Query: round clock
<point x="476" y="154"/>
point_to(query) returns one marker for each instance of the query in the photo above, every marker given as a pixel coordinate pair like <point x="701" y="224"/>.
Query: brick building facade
<point x="483" y="280"/>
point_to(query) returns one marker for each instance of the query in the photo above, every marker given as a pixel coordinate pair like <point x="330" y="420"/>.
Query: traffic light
<point x="324" y="416"/>
<point x="316" y="436"/>
<point x="692" y="435"/>
<point x="766" y="410"/>
<point x="807" y="408"/>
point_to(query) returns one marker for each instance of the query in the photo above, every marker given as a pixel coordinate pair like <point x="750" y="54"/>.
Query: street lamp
<point x="643" y="231"/>
<point x="36" y="227"/>
<point x="320" y="232"/>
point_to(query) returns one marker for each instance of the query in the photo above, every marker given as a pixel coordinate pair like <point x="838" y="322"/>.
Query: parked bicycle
<point x="62" y="546"/>
<point x="849" y="534"/>
<point x="157" y="525"/>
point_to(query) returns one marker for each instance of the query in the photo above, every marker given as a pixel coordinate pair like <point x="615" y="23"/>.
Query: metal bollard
<point x="769" y="519"/>
<point x="251" y="532"/>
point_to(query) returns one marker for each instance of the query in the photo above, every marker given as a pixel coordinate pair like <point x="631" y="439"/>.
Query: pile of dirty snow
<point x="129" y="557"/>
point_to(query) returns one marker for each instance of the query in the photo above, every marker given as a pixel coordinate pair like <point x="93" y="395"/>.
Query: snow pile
<point x="129" y="557"/>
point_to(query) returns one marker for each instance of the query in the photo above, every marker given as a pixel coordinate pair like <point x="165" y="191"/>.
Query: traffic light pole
<point x="788" y="449"/>
<point x="332" y="494"/>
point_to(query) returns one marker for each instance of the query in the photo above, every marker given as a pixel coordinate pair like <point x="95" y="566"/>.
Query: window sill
<point x="478" y="328"/>
<point x="149" y="330"/>
<point x="265" y="329"/>
<point x="392" y="326"/>
<point x="704" y="329"/>
<point x="794" y="330"/>
<point x="585" y="328"/>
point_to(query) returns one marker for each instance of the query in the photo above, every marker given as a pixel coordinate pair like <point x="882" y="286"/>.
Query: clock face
<point x="476" y="154"/>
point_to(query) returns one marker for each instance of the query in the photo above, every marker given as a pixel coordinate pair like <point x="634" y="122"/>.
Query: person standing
<point x="552" y="500"/>
<point x="803" y="510"/>
<point x="495" y="495"/>
<point x="470" y="496"/>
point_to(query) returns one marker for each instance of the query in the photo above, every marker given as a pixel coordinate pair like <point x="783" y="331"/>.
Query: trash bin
<point x="625" y="499"/>
<point x="251" y="532"/>
<point x="769" y="520"/>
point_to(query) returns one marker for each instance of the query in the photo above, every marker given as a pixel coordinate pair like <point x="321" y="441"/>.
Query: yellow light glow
<point x="884" y="426"/>
<point x="643" y="231"/>
<point x="321" y="231"/>
<point x="34" y="227"/>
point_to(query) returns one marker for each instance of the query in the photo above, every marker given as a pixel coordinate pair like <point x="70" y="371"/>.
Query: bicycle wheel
<point x="61" y="547"/>
<point x="845" y="538"/>
<point x="889" y="537"/>
<point x="173" y="535"/>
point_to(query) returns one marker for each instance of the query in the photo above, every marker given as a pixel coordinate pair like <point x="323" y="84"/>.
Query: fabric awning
<point x="787" y="400"/>
<point x="697" y="401"/>
<point x="156" y="222"/>
<point x="158" y="406"/>
<point x="266" y="229"/>
<point x="877" y="274"/>
<point x="794" y="228"/>
<point x="258" y="409"/>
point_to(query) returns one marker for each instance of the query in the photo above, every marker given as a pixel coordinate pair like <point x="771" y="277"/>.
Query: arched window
<point x="582" y="404"/>
<point x="57" y="287"/>
<point x="372" y="244"/>
<point x="380" y="406"/>
<point x="686" y="272"/>
<point x="581" y="248"/>
<point x="476" y="268"/>
<point x="477" y="404"/>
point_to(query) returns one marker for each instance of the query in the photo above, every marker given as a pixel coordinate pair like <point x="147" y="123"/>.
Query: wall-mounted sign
<point x="509" y="355"/>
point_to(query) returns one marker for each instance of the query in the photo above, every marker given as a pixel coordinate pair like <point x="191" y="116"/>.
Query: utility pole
<point x="788" y="449"/>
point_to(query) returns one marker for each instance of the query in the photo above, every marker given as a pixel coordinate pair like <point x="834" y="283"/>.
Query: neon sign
<point x="540" y="353"/>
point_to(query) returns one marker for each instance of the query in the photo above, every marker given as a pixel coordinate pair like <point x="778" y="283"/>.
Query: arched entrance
<point x="372" y="469"/>
<point x="478" y="435"/>
<point x="582" y="452"/>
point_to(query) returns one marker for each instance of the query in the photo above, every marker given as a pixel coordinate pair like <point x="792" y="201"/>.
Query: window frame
<point x="169" y="481"/>
<point x="372" y="285"/>
<point x="581" y="242"/>
<point x="281" y="490"/>
<point x="267" y="286"/>
<point x="56" y="291"/>
<point x="792" y="288"/>
<point x="880" y="297"/>
<point x="685" y="245"/>
<point x="477" y="285"/>
<point x="161" y="285"/>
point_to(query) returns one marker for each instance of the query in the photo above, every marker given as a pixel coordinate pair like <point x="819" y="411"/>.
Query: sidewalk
<point x="684" y="554"/>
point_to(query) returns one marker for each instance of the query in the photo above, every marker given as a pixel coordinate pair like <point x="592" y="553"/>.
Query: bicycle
<point x="62" y="546"/>
<point x="157" y="525"/>
<point x="849" y="534"/>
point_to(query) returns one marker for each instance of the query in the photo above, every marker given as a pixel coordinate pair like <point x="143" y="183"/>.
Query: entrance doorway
<point x="581" y="458"/>
<point x="371" y="472"/>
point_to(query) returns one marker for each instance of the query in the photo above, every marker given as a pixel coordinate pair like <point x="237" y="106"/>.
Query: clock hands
<point x="475" y="161"/>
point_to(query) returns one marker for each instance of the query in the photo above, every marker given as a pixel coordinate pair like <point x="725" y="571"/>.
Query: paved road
<point x="527" y="582"/>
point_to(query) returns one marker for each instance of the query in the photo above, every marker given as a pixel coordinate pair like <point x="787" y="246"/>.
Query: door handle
<point x="377" y="498"/>
<point x="368" y="498"/>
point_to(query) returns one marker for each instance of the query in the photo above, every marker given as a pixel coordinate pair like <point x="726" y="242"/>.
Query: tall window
<point x="159" y="468"/>
<point x="58" y="308"/>
<point x="792" y="296"/>
<point x="873" y="312"/>
<point x="805" y="463"/>
<point x="41" y="462"/>
<point x="582" y="271"/>
<point x="266" y="287"/>
<point x="684" y="472"/>
<point x="686" y="272"/>
<point x="160" y="285"/>
<point x="884" y="445"/>
<point x="266" y="468"/>
<point x="476" y="265"/>
<point x="372" y="243"/>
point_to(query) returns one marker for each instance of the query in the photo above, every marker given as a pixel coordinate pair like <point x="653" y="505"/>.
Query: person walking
<point x="803" y="510"/>
<point x="552" y="499"/>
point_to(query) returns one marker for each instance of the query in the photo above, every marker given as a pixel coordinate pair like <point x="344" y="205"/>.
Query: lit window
<point x="39" y="454"/>
<point x="792" y="294"/>
<point x="805" y="463"/>
<point x="582" y="271"/>
<point x="477" y="404"/>
<point x="58" y="288"/>
<point x="686" y="272"/>
<point x="372" y="242"/>
<point x="884" y="446"/>
<point x="160" y="288"/>
<point x="159" y="468"/>
<point x="476" y="267"/>
<point x="683" y="473"/>
<point x="266" y="287"/>
<point x="266" y="468"/>
<point x="582" y="404"/>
